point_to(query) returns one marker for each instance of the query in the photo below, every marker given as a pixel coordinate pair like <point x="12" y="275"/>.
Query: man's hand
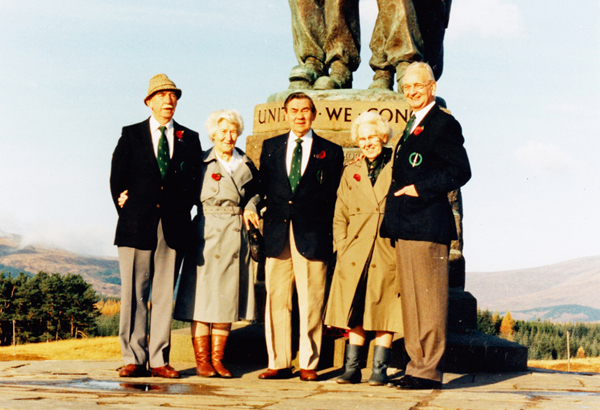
<point x="123" y="198"/>
<point x="409" y="190"/>
<point x="250" y="217"/>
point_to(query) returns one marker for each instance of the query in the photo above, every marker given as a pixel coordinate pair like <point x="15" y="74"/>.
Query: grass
<point x="586" y="365"/>
<point x="97" y="348"/>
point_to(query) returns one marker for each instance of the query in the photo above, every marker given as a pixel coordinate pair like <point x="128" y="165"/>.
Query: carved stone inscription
<point x="331" y="115"/>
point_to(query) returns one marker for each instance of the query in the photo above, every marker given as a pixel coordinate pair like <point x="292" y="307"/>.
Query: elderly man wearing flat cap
<point x="152" y="184"/>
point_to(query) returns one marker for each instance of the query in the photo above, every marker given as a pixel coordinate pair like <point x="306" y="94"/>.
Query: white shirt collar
<point x="419" y="115"/>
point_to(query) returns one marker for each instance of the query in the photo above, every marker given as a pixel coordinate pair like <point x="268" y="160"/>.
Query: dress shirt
<point x="156" y="135"/>
<point x="419" y="115"/>
<point x="306" y="147"/>
<point x="234" y="161"/>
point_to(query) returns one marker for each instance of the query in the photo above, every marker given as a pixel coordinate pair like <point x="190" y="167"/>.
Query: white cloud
<point x="547" y="159"/>
<point x="485" y="18"/>
<point x="368" y="14"/>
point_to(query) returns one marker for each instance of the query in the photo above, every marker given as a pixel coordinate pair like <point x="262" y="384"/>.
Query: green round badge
<point x="415" y="159"/>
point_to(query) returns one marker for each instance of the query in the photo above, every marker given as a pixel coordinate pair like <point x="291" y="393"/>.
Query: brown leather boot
<point x="218" y="351"/>
<point x="202" y="353"/>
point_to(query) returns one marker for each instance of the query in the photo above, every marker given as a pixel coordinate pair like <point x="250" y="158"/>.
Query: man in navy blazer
<point x="298" y="234"/>
<point x="152" y="186"/>
<point x="429" y="162"/>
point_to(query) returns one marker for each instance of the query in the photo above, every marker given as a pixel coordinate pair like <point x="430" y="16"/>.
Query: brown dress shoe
<point x="218" y="351"/>
<point x="165" y="371"/>
<point x="277" y="374"/>
<point x="134" y="370"/>
<point x="202" y="353"/>
<point x="308" y="375"/>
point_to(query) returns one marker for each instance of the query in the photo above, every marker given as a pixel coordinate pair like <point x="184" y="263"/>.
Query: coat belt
<point x="230" y="210"/>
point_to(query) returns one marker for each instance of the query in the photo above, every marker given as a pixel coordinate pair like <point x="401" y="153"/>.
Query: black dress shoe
<point x="417" y="383"/>
<point x="403" y="381"/>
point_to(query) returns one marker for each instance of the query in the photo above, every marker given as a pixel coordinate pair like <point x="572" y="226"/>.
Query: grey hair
<point x="212" y="123"/>
<point x="420" y="65"/>
<point x="370" y="117"/>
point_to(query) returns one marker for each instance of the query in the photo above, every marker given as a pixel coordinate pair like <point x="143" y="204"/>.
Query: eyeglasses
<point x="416" y="87"/>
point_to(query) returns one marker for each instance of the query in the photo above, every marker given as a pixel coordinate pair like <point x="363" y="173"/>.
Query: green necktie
<point x="163" y="151"/>
<point x="296" y="165"/>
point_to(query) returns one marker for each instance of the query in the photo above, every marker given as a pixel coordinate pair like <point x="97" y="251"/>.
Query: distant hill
<point x="567" y="289"/>
<point x="101" y="273"/>
<point x="559" y="314"/>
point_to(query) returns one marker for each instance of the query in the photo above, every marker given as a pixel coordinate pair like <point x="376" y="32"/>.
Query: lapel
<point x="377" y="193"/>
<point x="412" y="138"/>
<point x="310" y="173"/>
<point x="279" y="165"/>
<point x="243" y="174"/>
<point x="365" y="183"/>
<point x="148" y="148"/>
<point x="227" y="182"/>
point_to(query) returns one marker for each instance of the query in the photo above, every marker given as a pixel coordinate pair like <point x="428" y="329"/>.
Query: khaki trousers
<point x="423" y="274"/>
<point x="281" y="274"/>
<point x="144" y="273"/>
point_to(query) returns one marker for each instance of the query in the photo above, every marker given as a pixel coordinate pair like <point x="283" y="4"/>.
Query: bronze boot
<point x="218" y="351"/>
<point x="202" y="353"/>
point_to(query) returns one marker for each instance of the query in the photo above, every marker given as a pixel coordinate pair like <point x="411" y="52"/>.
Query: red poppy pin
<point x="216" y="177"/>
<point x="179" y="134"/>
<point x="357" y="177"/>
<point x="321" y="155"/>
<point x="418" y="130"/>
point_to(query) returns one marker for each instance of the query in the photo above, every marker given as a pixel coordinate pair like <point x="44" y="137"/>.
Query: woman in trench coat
<point x="364" y="295"/>
<point x="217" y="282"/>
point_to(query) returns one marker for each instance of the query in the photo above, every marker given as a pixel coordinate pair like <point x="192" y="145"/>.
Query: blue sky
<point x="522" y="77"/>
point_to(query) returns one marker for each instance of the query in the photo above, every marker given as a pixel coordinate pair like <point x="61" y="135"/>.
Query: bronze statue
<point x="327" y="41"/>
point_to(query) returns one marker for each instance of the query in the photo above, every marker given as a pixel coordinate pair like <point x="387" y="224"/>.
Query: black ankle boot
<point x="381" y="358"/>
<point x="353" y="366"/>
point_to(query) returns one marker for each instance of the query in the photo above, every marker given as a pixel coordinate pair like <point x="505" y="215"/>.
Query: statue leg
<point x="396" y="42"/>
<point x="308" y="30"/>
<point x="433" y="16"/>
<point x="342" y="43"/>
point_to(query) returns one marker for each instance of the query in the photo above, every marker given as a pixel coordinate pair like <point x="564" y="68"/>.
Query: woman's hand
<point x="123" y="198"/>
<point x="250" y="217"/>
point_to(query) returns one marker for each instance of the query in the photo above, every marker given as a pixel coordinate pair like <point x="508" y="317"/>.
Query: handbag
<point x="257" y="244"/>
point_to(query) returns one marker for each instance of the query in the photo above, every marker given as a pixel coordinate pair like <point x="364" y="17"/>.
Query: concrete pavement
<point x="28" y="385"/>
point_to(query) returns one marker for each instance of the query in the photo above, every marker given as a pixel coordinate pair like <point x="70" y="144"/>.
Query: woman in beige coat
<point x="364" y="296"/>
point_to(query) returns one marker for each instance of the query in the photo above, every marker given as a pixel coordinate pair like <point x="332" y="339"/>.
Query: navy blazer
<point x="152" y="198"/>
<point x="310" y="208"/>
<point x="436" y="162"/>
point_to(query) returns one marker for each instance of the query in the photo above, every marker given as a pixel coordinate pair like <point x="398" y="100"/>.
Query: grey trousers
<point x="327" y="30"/>
<point x="423" y="273"/>
<point x="146" y="274"/>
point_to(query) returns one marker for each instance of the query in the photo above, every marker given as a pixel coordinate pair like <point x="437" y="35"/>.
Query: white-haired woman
<point x="217" y="282"/>
<point x="364" y="296"/>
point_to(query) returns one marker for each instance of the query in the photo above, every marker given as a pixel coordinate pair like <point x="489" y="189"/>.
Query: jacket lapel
<point x="365" y="183"/>
<point x="148" y="148"/>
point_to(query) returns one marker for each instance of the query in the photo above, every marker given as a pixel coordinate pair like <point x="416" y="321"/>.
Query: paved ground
<point x="95" y="385"/>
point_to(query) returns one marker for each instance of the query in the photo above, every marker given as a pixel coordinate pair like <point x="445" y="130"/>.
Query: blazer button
<point x="373" y="266"/>
<point x="285" y="221"/>
<point x="290" y="202"/>
<point x="158" y="205"/>
<point x="352" y="264"/>
<point x="357" y="209"/>
<point x="162" y="187"/>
